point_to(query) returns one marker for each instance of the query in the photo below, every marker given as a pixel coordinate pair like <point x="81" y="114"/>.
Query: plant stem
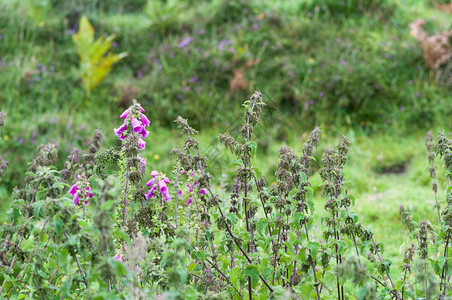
<point x="78" y="264"/>
<point x="387" y="273"/>
<point x="124" y="201"/>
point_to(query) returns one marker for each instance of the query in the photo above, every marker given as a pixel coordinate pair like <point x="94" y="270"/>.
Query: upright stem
<point x="446" y="254"/>
<point x="387" y="273"/>
<point x="307" y="238"/>
<point x="78" y="264"/>
<point x="124" y="199"/>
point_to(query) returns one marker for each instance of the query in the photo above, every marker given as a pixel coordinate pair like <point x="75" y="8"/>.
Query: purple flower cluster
<point x="184" y="43"/>
<point x="134" y="121"/>
<point x="118" y="257"/>
<point x="158" y="182"/>
<point x="81" y="189"/>
<point x="193" y="189"/>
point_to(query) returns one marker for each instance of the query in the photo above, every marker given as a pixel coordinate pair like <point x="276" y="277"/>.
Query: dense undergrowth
<point x="95" y="229"/>
<point x="349" y="66"/>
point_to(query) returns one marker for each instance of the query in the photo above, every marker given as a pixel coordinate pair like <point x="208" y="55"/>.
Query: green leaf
<point x="121" y="235"/>
<point x="292" y="193"/>
<point x="235" y="277"/>
<point x="107" y="205"/>
<point x="231" y="217"/>
<point x="298" y="217"/>
<point x="253" y="146"/>
<point x="398" y="284"/>
<point x="192" y="266"/>
<point x="82" y="223"/>
<point x="330" y="281"/>
<point x="37" y="208"/>
<point x="261" y="224"/>
<point x="236" y="163"/>
<point x="253" y="272"/>
<point x="26" y="245"/>
<point x="42" y="274"/>
<point x="303" y="177"/>
<point x="258" y="172"/>
<point x="201" y="255"/>
<point x="314" y="247"/>
<point x="267" y="272"/>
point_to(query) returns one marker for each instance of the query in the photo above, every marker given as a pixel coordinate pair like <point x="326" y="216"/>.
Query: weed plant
<point x="102" y="228"/>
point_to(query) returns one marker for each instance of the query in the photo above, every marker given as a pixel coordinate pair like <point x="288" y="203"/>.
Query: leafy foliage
<point x="181" y="238"/>
<point x="95" y="61"/>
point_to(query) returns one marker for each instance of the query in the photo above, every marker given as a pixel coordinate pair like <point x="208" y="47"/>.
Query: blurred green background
<point x="349" y="66"/>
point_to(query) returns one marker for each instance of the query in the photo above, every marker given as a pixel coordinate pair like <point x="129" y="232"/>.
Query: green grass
<point x="364" y="74"/>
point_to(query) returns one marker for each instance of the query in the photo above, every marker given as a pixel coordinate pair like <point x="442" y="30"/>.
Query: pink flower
<point x="141" y="109"/>
<point x="167" y="196"/>
<point x="142" y="161"/>
<point x="179" y="193"/>
<point x="189" y="201"/>
<point x="90" y="194"/>
<point x="119" y="131"/>
<point x="118" y="257"/>
<point x="144" y="133"/>
<point x="76" y="198"/>
<point x="203" y="191"/>
<point x="73" y="189"/>
<point x="136" y="125"/>
<point x="141" y="144"/>
<point x="144" y="120"/>
<point x="151" y="182"/>
<point x="161" y="184"/>
<point x="125" y="114"/>
<point x="150" y="193"/>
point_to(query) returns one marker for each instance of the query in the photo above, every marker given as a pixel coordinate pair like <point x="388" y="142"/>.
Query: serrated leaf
<point x="26" y="245"/>
<point x="236" y="163"/>
<point x="292" y="193"/>
<point x="303" y="177"/>
<point x="37" y="208"/>
<point x="261" y="224"/>
<point x="122" y="235"/>
<point x="253" y="272"/>
<point x="330" y="281"/>
<point x="314" y="247"/>
<point x="231" y="217"/>
<point x="235" y="277"/>
<point x="258" y="172"/>
<point x="253" y="146"/>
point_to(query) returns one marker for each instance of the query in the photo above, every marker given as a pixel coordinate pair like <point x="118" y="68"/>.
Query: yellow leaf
<point x="95" y="64"/>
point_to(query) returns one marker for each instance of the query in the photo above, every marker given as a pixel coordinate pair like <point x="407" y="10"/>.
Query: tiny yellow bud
<point x="156" y="156"/>
<point x="5" y="137"/>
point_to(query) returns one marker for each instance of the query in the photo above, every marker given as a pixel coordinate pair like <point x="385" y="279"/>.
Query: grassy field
<point x="351" y="69"/>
